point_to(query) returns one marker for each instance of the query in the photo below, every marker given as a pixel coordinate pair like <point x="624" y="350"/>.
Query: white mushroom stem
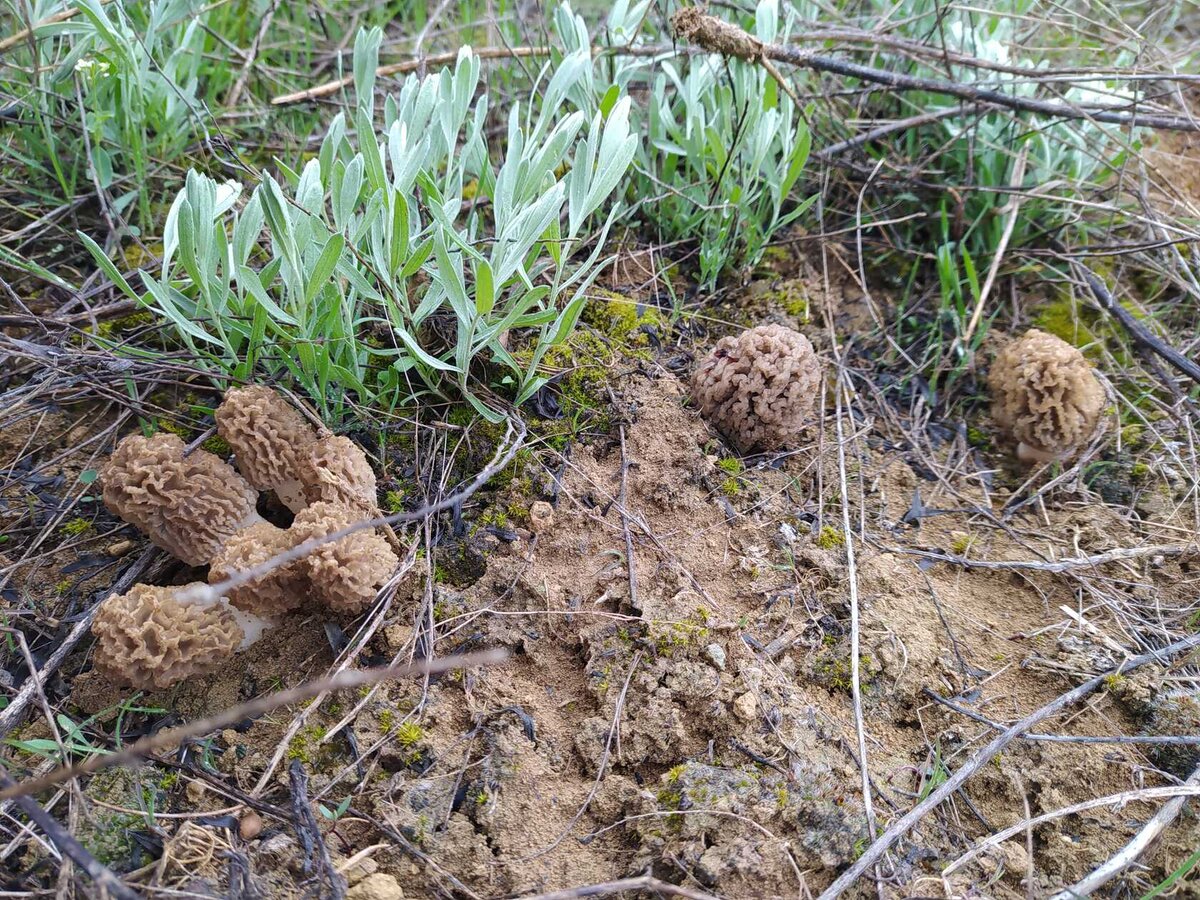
<point x="1032" y="455"/>
<point x="252" y="626"/>
<point x="291" y="495"/>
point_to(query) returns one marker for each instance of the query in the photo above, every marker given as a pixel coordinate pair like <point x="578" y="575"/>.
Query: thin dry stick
<point x="235" y="93"/>
<point x="855" y="627"/>
<point x="719" y="36"/>
<point x="1137" y="331"/>
<point x="1129" y="854"/>
<point x="902" y="826"/>
<point x="630" y="563"/>
<point x="1014" y="204"/>
<point x="309" y="831"/>
<point x="29" y="690"/>
<point x="442" y="59"/>
<point x="23" y="35"/>
<point x="172" y="737"/>
<point x="642" y="883"/>
<point x="1184" y="791"/>
<point x="1056" y="566"/>
<point x="1160" y="739"/>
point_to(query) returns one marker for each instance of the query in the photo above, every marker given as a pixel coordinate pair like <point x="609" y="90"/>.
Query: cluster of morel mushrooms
<point x="200" y="509"/>
<point x="759" y="388"/>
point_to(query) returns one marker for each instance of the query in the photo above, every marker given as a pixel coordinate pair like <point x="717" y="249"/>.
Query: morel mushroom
<point x="278" y="591"/>
<point x="188" y="505"/>
<point x="759" y="388"/>
<point x="269" y="438"/>
<point x="336" y="470"/>
<point x="1045" y="394"/>
<point x="147" y="639"/>
<point x="345" y="574"/>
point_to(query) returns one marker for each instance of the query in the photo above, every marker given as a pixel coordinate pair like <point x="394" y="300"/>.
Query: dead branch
<point x="1138" y="332"/>
<point x="1161" y="739"/>
<point x="1114" y="800"/>
<point x="981" y="758"/>
<point x="718" y="36"/>
<point x="1056" y="566"/>
<point x="1129" y="854"/>
<point x="172" y="737"/>
<point x="1133" y="850"/>
<point x="309" y="831"/>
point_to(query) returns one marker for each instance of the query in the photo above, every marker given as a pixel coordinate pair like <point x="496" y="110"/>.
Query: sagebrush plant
<point x="724" y="147"/>
<point x="128" y="74"/>
<point x="394" y="263"/>
<point x="1063" y="160"/>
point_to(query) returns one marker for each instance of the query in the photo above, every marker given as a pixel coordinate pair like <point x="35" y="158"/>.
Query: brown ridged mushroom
<point x="336" y="470"/>
<point x="269" y="438"/>
<point x="345" y="574"/>
<point x="759" y="388"/>
<point x="147" y="639"/>
<point x="188" y="505"/>
<point x="280" y="590"/>
<point x="1045" y="394"/>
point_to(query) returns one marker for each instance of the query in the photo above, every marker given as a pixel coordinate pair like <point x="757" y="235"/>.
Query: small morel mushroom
<point x="345" y="574"/>
<point x="147" y="639"/>
<point x="760" y="387"/>
<point x="280" y="590"/>
<point x="1046" y="396"/>
<point x="188" y="505"/>
<point x="336" y="470"/>
<point x="269" y="438"/>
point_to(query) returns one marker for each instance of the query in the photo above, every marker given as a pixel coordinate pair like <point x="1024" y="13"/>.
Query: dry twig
<point x="172" y="737"/>
<point x="982" y="757"/>
<point x="718" y="36"/>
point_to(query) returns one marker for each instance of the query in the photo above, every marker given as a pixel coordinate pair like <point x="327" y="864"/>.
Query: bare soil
<point x="684" y="709"/>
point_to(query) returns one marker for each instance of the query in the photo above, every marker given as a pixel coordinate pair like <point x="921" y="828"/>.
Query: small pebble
<point x="715" y="654"/>
<point x="194" y="790"/>
<point x="250" y="826"/>
<point x="745" y="707"/>
<point x="541" y="516"/>
<point x="120" y="548"/>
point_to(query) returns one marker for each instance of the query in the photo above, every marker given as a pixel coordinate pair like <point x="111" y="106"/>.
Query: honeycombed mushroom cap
<point x="269" y="438"/>
<point x="336" y="470"/>
<point x="1045" y="394"/>
<point x="345" y="574"/>
<point x="760" y="387"/>
<point x="188" y="505"/>
<point x="278" y="591"/>
<point x="146" y="639"/>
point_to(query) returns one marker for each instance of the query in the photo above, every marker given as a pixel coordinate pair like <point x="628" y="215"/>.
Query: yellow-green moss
<point x="409" y="734"/>
<point x="731" y="465"/>
<point x="393" y="501"/>
<point x="622" y="318"/>
<point x="961" y="543"/>
<point x="76" y="527"/>
<point x="670" y="637"/>
<point x="731" y="487"/>
<point x="305" y="744"/>
<point x="829" y="538"/>
<point x="217" y="446"/>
